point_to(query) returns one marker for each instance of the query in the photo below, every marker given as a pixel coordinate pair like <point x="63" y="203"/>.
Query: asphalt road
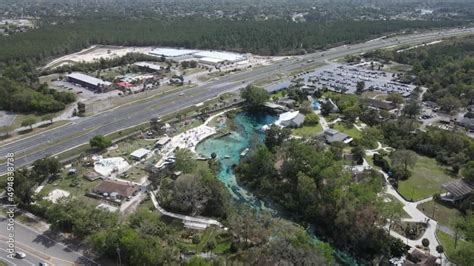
<point x="38" y="248"/>
<point x="53" y="142"/>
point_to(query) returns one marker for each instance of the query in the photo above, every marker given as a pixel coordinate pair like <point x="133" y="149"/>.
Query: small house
<point x="139" y="154"/>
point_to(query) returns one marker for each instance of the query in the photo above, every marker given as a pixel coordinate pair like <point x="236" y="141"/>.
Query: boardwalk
<point x="189" y="221"/>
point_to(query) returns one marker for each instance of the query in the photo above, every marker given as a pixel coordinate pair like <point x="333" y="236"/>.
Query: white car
<point x="20" y="255"/>
<point x="181" y="94"/>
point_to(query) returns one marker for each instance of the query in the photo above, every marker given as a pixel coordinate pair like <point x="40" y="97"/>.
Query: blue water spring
<point x="247" y="133"/>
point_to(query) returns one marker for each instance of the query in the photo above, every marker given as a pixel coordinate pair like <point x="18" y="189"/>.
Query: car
<point x="20" y="255"/>
<point x="181" y="94"/>
<point x="43" y="263"/>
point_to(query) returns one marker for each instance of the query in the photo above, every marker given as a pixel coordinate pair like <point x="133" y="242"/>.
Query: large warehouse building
<point x="88" y="81"/>
<point x="171" y="53"/>
<point x="203" y="57"/>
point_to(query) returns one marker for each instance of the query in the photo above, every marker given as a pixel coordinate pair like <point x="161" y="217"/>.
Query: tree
<point x="48" y="166"/>
<point x="404" y="159"/>
<point x="439" y="249"/>
<point x="189" y="195"/>
<point x="412" y="110"/>
<point x="360" y="87"/>
<point x="81" y="108"/>
<point x="351" y="113"/>
<point x="254" y="96"/>
<point x="48" y="117"/>
<point x="326" y="108"/>
<point x="449" y="104"/>
<point x="370" y="137"/>
<point x="396" y="98"/>
<point x="6" y="129"/>
<point x="311" y="119"/>
<point x="28" y="122"/>
<point x="100" y="142"/>
<point x="358" y="153"/>
<point x="468" y="170"/>
<point x="185" y="161"/>
<point x="157" y="125"/>
<point x="425" y="242"/>
<point x="275" y="136"/>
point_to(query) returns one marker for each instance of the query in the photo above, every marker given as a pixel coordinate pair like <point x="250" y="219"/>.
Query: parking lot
<point x="344" y="79"/>
<point x="84" y="93"/>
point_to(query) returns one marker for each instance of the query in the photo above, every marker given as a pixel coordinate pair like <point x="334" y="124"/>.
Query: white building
<point x="139" y="154"/>
<point x="290" y="119"/>
<point x="172" y="53"/>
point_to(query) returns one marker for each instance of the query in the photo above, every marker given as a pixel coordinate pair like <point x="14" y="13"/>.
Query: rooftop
<point x="148" y="65"/>
<point x="459" y="187"/>
<point x="121" y="188"/>
<point x="172" y="52"/>
<point x="140" y="153"/>
<point x="88" y="79"/>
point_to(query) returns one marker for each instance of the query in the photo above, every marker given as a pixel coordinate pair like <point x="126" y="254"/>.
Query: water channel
<point x="228" y="149"/>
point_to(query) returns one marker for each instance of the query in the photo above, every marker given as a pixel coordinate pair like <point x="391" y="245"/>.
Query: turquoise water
<point x="316" y="105"/>
<point x="228" y="148"/>
<point x="247" y="134"/>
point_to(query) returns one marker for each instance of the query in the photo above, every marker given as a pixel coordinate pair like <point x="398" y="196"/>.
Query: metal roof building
<point x="88" y="81"/>
<point x="145" y="65"/>
<point x="171" y="52"/>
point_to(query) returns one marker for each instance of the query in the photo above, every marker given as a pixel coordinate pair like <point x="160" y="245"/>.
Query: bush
<point x="311" y="119"/>
<point x="381" y="162"/>
<point x="400" y="174"/>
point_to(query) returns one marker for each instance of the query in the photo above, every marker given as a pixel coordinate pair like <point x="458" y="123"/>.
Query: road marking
<point x="6" y="258"/>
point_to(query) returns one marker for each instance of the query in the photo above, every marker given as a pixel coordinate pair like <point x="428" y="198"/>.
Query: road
<point x="81" y="130"/>
<point x="38" y="248"/>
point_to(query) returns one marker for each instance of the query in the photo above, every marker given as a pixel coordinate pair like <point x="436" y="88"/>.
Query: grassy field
<point x="426" y="179"/>
<point x="447" y="242"/>
<point x="444" y="214"/>
<point x="76" y="184"/>
<point x="352" y="132"/>
<point x="307" y="131"/>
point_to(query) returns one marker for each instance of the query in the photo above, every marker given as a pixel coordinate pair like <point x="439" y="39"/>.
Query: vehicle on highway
<point x="43" y="264"/>
<point x="20" y="255"/>
<point x="181" y="94"/>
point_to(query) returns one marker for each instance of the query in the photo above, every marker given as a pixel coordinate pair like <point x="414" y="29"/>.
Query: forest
<point x="270" y="37"/>
<point x="446" y="68"/>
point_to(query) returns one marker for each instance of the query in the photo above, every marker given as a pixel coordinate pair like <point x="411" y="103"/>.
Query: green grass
<point x="307" y="131"/>
<point x="279" y="94"/>
<point x="426" y="179"/>
<point x="447" y="242"/>
<point x="352" y="132"/>
<point x="443" y="214"/>
<point x="66" y="182"/>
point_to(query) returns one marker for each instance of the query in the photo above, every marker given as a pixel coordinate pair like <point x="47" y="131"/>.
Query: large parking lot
<point x="344" y="79"/>
<point x="82" y="92"/>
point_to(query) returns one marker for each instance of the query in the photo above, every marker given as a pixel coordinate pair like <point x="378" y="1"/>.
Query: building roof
<point x="459" y="188"/>
<point x="91" y="176"/>
<point x="120" y="188"/>
<point x="172" y="52"/>
<point x="148" y="65"/>
<point x="140" y="153"/>
<point x="384" y="105"/>
<point x="124" y="84"/>
<point x="285" y="117"/>
<point x="162" y="141"/>
<point x="298" y="120"/>
<point x="211" y="60"/>
<point x="222" y="56"/>
<point x="333" y="135"/>
<point x="88" y="79"/>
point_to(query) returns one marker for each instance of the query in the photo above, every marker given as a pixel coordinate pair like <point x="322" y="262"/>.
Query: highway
<point x="81" y="130"/>
<point x="38" y="248"/>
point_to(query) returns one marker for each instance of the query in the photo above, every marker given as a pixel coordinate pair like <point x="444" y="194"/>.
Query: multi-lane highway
<point x="38" y="248"/>
<point x="79" y="132"/>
